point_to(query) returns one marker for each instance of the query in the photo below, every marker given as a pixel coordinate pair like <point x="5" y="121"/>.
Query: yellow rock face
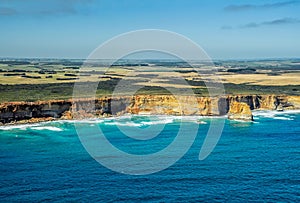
<point x="295" y="101"/>
<point x="240" y="111"/>
<point x="164" y="104"/>
<point x="236" y="106"/>
<point x="67" y="115"/>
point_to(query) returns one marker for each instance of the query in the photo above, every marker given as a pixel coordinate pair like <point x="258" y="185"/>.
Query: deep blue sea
<point x="253" y="161"/>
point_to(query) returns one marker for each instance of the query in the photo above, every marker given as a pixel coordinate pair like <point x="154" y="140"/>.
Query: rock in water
<point x="240" y="111"/>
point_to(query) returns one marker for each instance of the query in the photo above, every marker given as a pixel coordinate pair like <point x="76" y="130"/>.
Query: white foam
<point x="123" y="117"/>
<point x="163" y="121"/>
<point x="271" y="114"/>
<point x="126" y="120"/>
<point x="51" y="128"/>
<point x="92" y="121"/>
<point x="266" y="114"/>
<point x="19" y="127"/>
<point x="278" y="115"/>
<point x="242" y="121"/>
<point x="283" y="118"/>
<point x="154" y="119"/>
<point x="132" y="124"/>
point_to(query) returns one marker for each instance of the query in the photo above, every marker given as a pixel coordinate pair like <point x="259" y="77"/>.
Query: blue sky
<point x="224" y="29"/>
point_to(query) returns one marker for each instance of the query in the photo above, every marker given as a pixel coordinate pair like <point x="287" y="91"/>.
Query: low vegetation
<point x="29" y="80"/>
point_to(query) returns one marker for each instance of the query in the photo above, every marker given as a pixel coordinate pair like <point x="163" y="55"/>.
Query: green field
<point x="32" y="80"/>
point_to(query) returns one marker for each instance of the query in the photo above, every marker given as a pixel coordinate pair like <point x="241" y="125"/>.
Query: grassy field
<point x="31" y="80"/>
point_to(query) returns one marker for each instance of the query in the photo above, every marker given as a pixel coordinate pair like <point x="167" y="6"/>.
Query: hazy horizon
<point x="214" y="59"/>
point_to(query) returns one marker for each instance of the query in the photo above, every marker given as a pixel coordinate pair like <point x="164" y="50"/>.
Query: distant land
<point x="35" y="90"/>
<point x="50" y="79"/>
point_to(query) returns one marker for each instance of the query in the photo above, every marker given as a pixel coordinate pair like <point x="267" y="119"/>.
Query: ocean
<point x="253" y="161"/>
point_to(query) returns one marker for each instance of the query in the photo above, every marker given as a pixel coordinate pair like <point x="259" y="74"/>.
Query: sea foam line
<point x="51" y="128"/>
<point x="283" y="118"/>
<point x="271" y="114"/>
<point x="118" y="120"/>
<point x="36" y="126"/>
<point x="20" y="127"/>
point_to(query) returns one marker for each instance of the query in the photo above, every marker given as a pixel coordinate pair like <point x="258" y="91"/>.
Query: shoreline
<point x="269" y="113"/>
<point x="191" y="118"/>
<point x="235" y="107"/>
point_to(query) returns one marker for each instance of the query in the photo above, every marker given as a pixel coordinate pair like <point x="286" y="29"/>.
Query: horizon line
<point x="170" y="59"/>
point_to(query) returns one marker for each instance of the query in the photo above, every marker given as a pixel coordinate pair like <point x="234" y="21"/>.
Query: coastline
<point x="158" y="119"/>
<point x="235" y="107"/>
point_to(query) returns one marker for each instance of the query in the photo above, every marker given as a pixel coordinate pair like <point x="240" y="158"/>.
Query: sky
<point x="228" y="29"/>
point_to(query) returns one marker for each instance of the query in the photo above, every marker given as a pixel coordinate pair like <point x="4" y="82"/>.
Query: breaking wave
<point x="51" y="128"/>
<point x="283" y="118"/>
<point x="278" y="115"/>
<point x="17" y="127"/>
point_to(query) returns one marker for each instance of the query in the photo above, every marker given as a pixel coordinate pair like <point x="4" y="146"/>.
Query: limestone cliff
<point x="33" y="111"/>
<point x="240" y="110"/>
<point x="236" y="106"/>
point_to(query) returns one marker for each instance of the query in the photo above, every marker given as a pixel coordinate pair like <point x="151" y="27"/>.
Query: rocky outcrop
<point x="236" y="106"/>
<point x="41" y="110"/>
<point x="240" y="111"/>
<point x="268" y="102"/>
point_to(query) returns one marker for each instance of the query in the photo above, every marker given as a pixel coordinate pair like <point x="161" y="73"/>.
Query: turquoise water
<point x="257" y="161"/>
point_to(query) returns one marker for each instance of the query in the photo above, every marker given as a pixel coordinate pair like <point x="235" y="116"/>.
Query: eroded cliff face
<point x="33" y="111"/>
<point x="236" y="106"/>
<point x="240" y="111"/>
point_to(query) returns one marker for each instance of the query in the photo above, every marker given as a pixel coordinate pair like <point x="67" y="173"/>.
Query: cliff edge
<point x="235" y="106"/>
